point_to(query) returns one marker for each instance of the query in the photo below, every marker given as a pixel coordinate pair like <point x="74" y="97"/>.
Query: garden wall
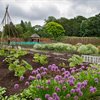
<point x="83" y="40"/>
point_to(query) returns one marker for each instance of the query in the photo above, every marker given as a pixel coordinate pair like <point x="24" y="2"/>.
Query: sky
<point x="38" y="10"/>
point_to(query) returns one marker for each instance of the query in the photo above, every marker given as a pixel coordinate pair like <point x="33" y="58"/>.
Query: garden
<point x="54" y="71"/>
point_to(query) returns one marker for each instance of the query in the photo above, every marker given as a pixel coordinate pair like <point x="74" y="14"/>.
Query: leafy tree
<point x="50" y="19"/>
<point x="91" y="26"/>
<point x="54" y="30"/>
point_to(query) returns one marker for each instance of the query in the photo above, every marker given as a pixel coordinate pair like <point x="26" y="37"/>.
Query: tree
<point x="50" y="19"/>
<point x="91" y="26"/>
<point x="54" y="30"/>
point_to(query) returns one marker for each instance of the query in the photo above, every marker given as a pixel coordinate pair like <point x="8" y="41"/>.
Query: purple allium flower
<point x="31" y="78"/>
<point x="66" y="76"/>
<point x="27" y="83"/>
<point x="33" y="72"/>
<point x="38" y="86"/>
<point x="16" y="86"/>
<point x="48" y="81"/>
<point x="43" y="73"/>
<point x="21" y="78"/>
<point x="45" y="69"/>
<point x="83" y="67"/>
<point x="54" y="95"/>
<point x="96" y="80"/>
<point x="71" y="82"/>
<point x="64" y="88"/>
<point x="79" y="84"/>
<point x="71" y="78"/>
<point x="56" y="98"/>
<point x="78" y="90"/>
<point x="63" y="69"/>
<point x="57" y="89"/>
<point x="47" y="96"/>
<point x="36" y="71"/>
<point x="50" y="98"/>
<point x="76" y="97"/>
<point x="49" y="67"/>
<point x="41" y="68"/>
<point x="38" y="76"/>
<point x="84" y="84"/>
<point x="61" y="81"/>
<point x="93" y="89"/>
<point x="72" y="71"/>
<point x="58" y="71"/>
<point x="80" y="93"/>
<point x="72" y="90"/>
<point x="68" y="96"/>
<point x="66" y="72"/>
<point x="58" y="77"/>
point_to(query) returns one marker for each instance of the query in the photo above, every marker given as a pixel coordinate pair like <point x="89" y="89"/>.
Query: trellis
<point x="91" y="59"/>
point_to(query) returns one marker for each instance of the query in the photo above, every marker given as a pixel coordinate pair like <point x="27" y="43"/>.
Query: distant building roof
<point x="35" y="36"/>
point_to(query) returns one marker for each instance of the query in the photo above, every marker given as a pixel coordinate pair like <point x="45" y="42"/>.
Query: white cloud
<point x="38" y="10"/>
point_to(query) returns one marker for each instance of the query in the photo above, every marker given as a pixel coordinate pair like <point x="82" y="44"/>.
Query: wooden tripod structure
<point x="7" y="22"/>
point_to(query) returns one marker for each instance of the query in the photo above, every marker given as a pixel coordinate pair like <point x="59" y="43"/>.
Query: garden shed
<point x="35" y="38"/>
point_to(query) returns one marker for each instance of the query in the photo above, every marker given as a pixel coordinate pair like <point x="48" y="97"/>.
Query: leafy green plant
<point x="19" y="67"/>
<point x="75" y="60"/>
<point x="2" y="91"/>
<point x="88" y="49"/>
<point x="42" y="59"/>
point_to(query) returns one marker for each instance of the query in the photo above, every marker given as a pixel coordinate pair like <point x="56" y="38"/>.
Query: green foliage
<point x="2" y="52"/>
<point x="88" y="49"/>
<point x="91" y="26"/>
<point x="60" y="47"/>
<point x="42" y="59"/>
<point x="54" y="30"/>
<point x="19" y="67"/>
<point x="75" y="60"/>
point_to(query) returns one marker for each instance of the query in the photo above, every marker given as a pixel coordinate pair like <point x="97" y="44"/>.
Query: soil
<point x="7" y="78"/>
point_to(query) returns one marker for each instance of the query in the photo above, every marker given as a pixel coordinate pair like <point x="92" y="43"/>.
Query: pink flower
<point x="68" y="96"/>
<point x="93" y="89"/>
<point x="21" y="78"/>
<point x="16" y="86"/>
<point x="76" y="98"/>
<point x="27" y="83"/>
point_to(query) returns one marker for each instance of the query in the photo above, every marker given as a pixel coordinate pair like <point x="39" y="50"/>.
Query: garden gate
<point x="91" y="59"/>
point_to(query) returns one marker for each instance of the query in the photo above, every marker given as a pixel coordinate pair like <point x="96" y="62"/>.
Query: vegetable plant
<point x="42" y="59"/>
<point x="75" y="60"/>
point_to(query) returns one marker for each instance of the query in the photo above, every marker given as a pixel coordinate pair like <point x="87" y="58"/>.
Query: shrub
<point x="88" y="49"/>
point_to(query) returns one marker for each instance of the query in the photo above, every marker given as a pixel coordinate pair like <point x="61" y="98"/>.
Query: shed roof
<point x="35" y="36"/>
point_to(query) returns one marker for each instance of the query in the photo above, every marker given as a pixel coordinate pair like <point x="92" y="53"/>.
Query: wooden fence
<point x="91" y="59"/>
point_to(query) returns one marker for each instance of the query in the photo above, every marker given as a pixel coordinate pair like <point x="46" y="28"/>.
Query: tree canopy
<point x="54" y="29"/>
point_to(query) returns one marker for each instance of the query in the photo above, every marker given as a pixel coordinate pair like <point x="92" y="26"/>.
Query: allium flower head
<point x="57" y="89"/>
<point x="68" y="96"/>
<point x="96" y="80"/>
<point x="93" y="89"/>
<point x="31" y="78"/>
<point x="76" y="98"/>
<point x="47" y="96"/>
<point x="21" y="78"/>
<point x="38" y="76"/>
<point x="27" y="83"/>
<point x="72" y="90"/>
<point x="16" y="86"/>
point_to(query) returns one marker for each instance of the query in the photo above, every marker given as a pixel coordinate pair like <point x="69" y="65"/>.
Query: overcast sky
<point x="38" y="10"/>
